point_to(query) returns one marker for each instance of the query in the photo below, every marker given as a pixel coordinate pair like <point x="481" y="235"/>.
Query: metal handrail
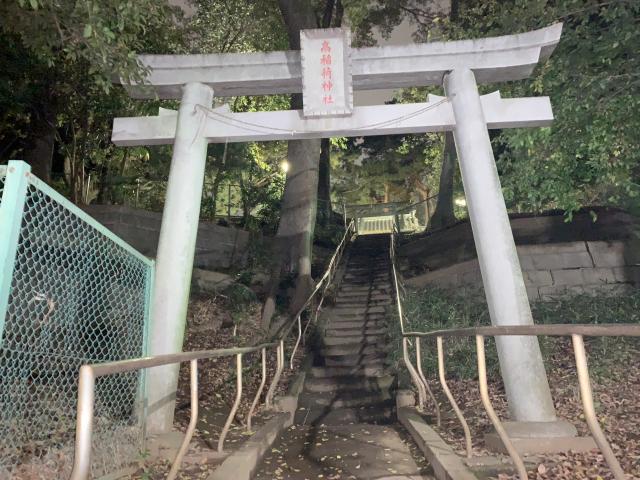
<point x="86" y="398"/>
<point x="577" y="332"/>
<point x="325" y="280"/>
<point x="89" y="373"/>
<point x="417" y="377"/>
<point x="551" y="330"/>
<point x="323" y="284"/>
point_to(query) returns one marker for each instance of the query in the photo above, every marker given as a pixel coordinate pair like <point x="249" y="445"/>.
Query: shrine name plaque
<point x="327" y="88"/>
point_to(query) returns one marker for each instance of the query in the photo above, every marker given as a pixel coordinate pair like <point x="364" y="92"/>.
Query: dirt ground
<point x="616" y="387"/>
<point x="209" y="326"/>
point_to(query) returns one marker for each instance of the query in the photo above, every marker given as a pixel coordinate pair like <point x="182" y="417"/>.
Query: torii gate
<point x="328" y="111"/>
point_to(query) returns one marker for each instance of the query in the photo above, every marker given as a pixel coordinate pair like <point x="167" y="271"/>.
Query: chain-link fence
<point x="71" y="293"/>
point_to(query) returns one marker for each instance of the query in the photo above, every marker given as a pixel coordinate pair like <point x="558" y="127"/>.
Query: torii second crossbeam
<point x="436" y="115"/>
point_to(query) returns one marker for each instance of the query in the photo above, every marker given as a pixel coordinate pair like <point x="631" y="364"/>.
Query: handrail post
<point x="414" y="375"/>
<point x="293" y="352"/>
<point x="424" y="381"/>
<point x="276" y="376"/>
<point x="452" y="401"/>
<point x="192" y="422"/>
<point x="589" y="410"/>
<point x="234" y="408"/>
<point x="486" y="401"/>
<point x="260" y="388"/>
<point x="84" y="424"/>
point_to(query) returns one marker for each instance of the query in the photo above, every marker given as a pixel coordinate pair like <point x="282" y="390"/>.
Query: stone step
<point x="331" y="340"/>
<point x="361" y="273"/>
<point x="342" y="324"/>
<point x="386" y="288"/>
<point x="371" y="295"/>
<point x="366" y="288"/>
<point x="366" y="282"/>
<point x="378" y="293"/>
<point x="357" y="310"/>
<point x="361" y="302"/>
<point x="346" y="383"/>
<point x="355" y="303"/>
<point x="360" y="254"/>
<point x="353" y="349"/>
<point x="365" y="276"/>
<point x="357" y="317"/>
<point x="345" y="399"/>
<point x="367" y="269"/>
<point x="354" y="360"/>
<point x="333" y="372"/>
<point x="372" y="269"/>
<point x="381" y="414"/>
<point x="374" y="250"/>
<point x="375" y="317"/>
<point x="357" y="321"/>
<point x="350" y="331"/>
<point x="360" y="311"/>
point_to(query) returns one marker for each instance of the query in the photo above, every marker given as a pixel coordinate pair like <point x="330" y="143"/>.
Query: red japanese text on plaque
<point x="326" y="72"/>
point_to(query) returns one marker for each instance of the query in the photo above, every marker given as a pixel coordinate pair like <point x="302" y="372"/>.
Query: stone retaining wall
<point x="216" y="246"/>
<point x="554" y="269"/>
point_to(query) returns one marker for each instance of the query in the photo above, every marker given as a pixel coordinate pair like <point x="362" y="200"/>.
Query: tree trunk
<point x="38" y="150"/>
<point x="104" y="186"/>
<point x="329" y="19"/>
<point x="294" y="239"/>
<point x="423" y="191"/>
<point x="245" y="198"/>
<point x="444" y="216"/>
<point x="324" y="183"/>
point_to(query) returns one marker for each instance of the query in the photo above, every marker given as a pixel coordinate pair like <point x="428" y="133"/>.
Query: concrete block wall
<point x="216" y="246"/>
<point x="554" y="269"/>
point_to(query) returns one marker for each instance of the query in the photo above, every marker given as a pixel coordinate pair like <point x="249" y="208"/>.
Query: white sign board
<point x="327" y="88"/>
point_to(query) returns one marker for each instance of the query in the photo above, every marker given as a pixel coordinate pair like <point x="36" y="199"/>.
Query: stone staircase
<point x="349" y="381"/>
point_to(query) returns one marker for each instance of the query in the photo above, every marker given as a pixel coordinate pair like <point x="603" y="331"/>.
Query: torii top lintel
<point x="494" y="59"/>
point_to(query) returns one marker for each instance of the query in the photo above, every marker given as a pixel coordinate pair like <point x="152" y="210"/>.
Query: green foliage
<point x="99" y="36"/>
<point x="399" y="168"/>
<point x="366" y="16"/>
<point x="436" y="309"/>
<point x="329" y="235"/>
<point x="239" y="297"/>
<point x="240" y="301"/>
<point x="599" y="309"/>
<point x="590" y="155"/>
<point x="57" y="65"/>
<point x="245" y="277"/>
<point x="237" y="26"/>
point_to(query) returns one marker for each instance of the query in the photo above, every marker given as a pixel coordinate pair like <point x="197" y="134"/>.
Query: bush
<point x="240" y="301"/>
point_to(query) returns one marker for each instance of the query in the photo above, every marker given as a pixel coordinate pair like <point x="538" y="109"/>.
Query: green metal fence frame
<point x="17" y="179"/>
<point x="11" y="211"/>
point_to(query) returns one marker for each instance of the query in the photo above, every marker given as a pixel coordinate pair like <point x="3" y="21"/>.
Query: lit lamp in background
<point x="460" y="201"/>
<point x="284" y="166"/>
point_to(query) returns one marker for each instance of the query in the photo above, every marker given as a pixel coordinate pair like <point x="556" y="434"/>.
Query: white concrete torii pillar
<point x="465" y="112"/>
<point x="176" y="250"/>
<point x="521" y="363"/>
